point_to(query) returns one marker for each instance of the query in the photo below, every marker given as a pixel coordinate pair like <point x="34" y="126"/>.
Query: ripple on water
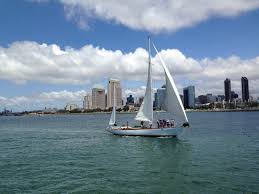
<point x="65" y="153"/>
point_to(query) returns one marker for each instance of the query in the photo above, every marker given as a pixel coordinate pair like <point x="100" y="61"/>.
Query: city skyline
<point x="51" y="53"/>
<point x="189" y="98"/>
<point x="87" y="99"/>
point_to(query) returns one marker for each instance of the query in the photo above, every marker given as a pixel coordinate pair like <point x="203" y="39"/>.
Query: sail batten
<point x="173" y="101"/>
<point x="145" y="112"/>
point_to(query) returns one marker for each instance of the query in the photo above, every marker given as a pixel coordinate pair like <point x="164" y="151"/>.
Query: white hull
<point x="161" y="132"/>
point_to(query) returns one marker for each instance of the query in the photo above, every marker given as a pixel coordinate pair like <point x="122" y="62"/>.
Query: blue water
<point x="73" y="153"/>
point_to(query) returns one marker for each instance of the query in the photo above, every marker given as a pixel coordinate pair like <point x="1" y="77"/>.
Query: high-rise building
<point x="106" y="100"/>
<point x="71" y="106"/>
<point x="114" y="83"/>
<point x="220" y="98"/>
<point x="181" y="96"/>
<point x="234" y="95"/>
<point x="140" y="100"/>
<point x="130" y="100"/>
<point x="211" y="98"/>
<point x="245" y="89"/>
<point x="203" y="99"/>
<point x="189" y="97"/>
<point x="155" y="100"/>
<point x="98" y="98"/>
<point x="227" y="86"/>
<point x="155" y="104"/>
<point x="87" y="103"/>
<point x="160" y="97"/>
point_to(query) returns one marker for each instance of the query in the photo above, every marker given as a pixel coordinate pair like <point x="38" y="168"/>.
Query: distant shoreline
<point x="188" y="110"/>
<point x="224" y="110"/>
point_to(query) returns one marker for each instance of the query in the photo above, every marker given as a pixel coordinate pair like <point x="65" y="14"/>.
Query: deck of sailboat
<point x="142" y="128"/>
<point x="145" y="132"/>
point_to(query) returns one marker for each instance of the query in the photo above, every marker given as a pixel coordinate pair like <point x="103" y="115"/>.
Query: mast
<point x="150" y="74"/>
<point x="145" y="112"/>
<point x="113" y="115"/>
<point x="149" y="58"/>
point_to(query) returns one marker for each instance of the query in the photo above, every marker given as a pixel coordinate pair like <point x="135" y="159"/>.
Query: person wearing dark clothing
<point x="142" y="124"/>
<point x="160" y="123"/>
<point x="164" y="123"/>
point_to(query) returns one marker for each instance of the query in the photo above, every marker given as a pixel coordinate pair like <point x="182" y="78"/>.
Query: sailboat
<point x="173" y="106"/>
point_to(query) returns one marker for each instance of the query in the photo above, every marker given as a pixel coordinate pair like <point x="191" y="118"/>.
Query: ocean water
<point x="219" y="153"/>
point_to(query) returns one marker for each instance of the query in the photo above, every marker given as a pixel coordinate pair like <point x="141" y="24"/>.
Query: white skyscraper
<point x="71" y="106"/>
<point x="114" y="83"/>
<point x="87" y="103"/>
<point x="98" y="98"/>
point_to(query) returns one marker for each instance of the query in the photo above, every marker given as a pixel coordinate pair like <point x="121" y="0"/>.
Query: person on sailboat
<point x="168" y="123"/>
<point x="186" y="124"/>
<point x="172" y="123"/>
<point x="161" y="123"/>
<point x="164" y="123"/>
<point x="142" y="124"/>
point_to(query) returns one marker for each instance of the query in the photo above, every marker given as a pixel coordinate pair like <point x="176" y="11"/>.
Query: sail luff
<point x="113" y="115"/>
<point x="145" y="112"/>
<point x="176" y="108"/>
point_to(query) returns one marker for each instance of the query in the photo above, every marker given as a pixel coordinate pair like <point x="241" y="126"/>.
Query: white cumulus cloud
<point x="55" y="99"/>
<point x="30" y="61"/>
<point x="154" y="16"/>
<point x="26" y="61"/>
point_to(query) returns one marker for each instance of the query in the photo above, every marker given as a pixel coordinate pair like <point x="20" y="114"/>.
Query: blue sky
<point x="215" y="38"/>
<point x="46" y="23"/>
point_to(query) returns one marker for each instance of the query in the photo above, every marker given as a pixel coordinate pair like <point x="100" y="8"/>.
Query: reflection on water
<point x="152" y="162"/>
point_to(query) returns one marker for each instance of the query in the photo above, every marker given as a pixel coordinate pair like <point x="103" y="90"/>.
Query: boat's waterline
<point x="161" y="132"/>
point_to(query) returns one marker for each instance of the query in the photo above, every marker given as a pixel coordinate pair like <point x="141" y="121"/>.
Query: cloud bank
<point x="26" y="61"/>
<point x="57" y="99"/>
<point x="154" y="16"/>
<point x="30" y="61"/>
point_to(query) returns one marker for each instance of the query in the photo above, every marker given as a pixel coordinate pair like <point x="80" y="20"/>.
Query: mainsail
<point x="113" y="115"/>
<point x="145" y="112"/>
<point x="173" y="103"/>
